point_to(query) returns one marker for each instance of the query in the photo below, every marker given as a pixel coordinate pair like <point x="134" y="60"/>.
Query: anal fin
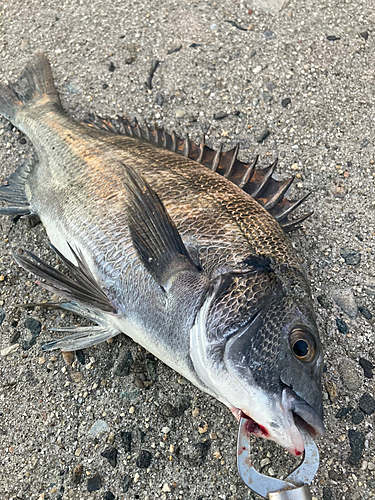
<point x="81" y="337"/>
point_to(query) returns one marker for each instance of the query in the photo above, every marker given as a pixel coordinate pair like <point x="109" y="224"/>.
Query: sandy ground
<point x="305" y="75"/>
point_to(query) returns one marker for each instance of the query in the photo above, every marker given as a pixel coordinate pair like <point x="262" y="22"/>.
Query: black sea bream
<point x="182" y="248"/>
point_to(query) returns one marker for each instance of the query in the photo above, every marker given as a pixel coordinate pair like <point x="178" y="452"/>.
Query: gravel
<point x="315" y="99"/>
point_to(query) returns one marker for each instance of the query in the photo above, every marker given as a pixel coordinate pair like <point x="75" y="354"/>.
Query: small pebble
<point x="350" y="373"/>
<point x="367" y="367"/>
<point x="123" y="367"/>
<point x="77" y="474"/>
<point x="220" y="115"/>
<point x="76" y="377"/>
<point x="127" y="481"/>
<point x="285" y="102"/>
<point x="9" y="350"/>
<point x="257" y="70"/>
<point x="25" y="44"/>
<point x="159" y="99"/>
<point x="126" y="439"/>
<point x="343" y="412"/>
<point x="68" y="357"/>
<point x="108" y="495"/>
<point x="111" y="455"/>
<point x="144" y="459"/>
<point x="351" y="257"/>
<point x="94" y="483"/>
<point x="174" y="49"/>
<point x="356" y="441"/>
<point x="98" y="427"/>
<point x="365" y="312"/>
<point x="166" y="488"/>
<point x="269" y="35"/>
<point x="331" y="389"/>
<point x="344" y="298"/>
<point x="342" y="326"/>
<point x="81" y="357"/>
<point x="180" y="113"/>
<point x="111" y="67"/>
<point x="203" y="428"/>
<point x="367" y="403"/>
<point x="34" y="326"/>
<point x="364" y="35"/>
<point x="357" y="416"/>
<point x="324" y="301"/>
<point x="327" y="494"/>
<point x="263" y="136"/>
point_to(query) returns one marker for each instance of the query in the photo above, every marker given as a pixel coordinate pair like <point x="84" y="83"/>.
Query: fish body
<point x="167" y="251"/>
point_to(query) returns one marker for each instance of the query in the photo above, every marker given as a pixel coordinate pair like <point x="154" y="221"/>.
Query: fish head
<point x="259" y="352"/>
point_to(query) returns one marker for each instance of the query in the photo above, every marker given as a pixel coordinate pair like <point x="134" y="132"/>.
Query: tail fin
<point x="34" y="84"/>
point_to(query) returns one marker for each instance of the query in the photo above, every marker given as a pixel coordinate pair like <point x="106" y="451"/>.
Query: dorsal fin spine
<point x="289" y="210"/>
<point x="216" y="160"/>
<point x="234" y="153"/>
<point x="296" y="223"/>
<point x="201" y="149"/>
<point x="268" y="171"/>
<point x="248" y="173"/>
<point x="279" y="195"/>
<point x="186" y="150"/>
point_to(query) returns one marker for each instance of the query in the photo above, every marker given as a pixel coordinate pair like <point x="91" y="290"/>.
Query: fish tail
<point x="34" y="86"/>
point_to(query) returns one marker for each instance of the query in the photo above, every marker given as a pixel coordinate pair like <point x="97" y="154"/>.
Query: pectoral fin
<point x="154" y="234"/>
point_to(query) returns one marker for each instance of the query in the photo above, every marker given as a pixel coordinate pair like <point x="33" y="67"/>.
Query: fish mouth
<point x="299" y="413"/>
<point x="296" y="414"/>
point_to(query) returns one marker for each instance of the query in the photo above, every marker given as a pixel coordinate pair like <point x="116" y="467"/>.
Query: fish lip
<point x="303" y="414"/>
<point x="298" y="414"/>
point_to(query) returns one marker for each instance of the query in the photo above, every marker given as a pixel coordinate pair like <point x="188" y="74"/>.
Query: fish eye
<point x="303" y="345"/>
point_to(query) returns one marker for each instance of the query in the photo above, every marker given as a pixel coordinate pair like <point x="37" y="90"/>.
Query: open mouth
<point x="303" y="413"/>
<point x="297" y="414"/>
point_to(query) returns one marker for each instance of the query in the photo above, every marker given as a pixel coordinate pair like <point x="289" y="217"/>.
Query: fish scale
<point x="170" y="242"/>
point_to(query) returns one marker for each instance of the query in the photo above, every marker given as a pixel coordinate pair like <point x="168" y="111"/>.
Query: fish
<point x="181" y="247"/>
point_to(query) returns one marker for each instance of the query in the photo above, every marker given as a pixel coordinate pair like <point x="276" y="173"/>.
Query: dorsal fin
<point x="258" y="183"/>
